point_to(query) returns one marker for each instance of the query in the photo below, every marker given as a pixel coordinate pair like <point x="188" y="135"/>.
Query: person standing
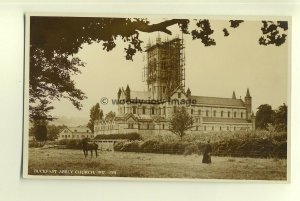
<point x="207" y="153"/>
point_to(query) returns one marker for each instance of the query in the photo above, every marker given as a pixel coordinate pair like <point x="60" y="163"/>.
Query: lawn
<point x="124" y="164"/>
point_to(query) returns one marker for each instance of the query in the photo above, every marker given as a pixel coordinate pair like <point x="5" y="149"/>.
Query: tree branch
<point x="162" y="26"/>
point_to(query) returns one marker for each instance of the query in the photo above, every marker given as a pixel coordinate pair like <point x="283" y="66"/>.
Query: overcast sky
<point x="236" y="62"/>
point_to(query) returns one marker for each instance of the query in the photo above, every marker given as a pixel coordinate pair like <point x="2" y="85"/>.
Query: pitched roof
<point x="79" y="129"/>
<point x="140" y="95"/>
<point x="226" y="120"/>
<point x="218" y="101"/>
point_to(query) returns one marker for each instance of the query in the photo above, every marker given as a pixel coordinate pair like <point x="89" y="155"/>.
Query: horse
<point x="86" y="147"/>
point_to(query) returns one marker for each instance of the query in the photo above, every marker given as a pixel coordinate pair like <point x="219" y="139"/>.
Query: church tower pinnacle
<point x="233" y="95"/>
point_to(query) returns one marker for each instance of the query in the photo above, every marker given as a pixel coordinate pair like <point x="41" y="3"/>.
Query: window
<point x="215" y="113"/>
<point x="228" y="128"/>
<point x="163" y="126"/>
<point x="88" y="130"/>
<point x="242" y="114"/>
<point x="207" y="113"/>
<point x="221" y="113"/>
<point x="192" y="111"/>
<point x="199" y="112"/>
<point x="144" y="109"/>
<point x="212" y="128"/>
<point x="164" y="89"/>
<point x="130" y="125"/>
<point x="164" y="110"/>
<point x="220" y="128"/>
<point x="75" y="130"/>
<point x="66" y="131"/>
<point x="234" y="114"/>
<point x="134" y="109"/>
<point x="228" y="114"/>
<point x="179" y="95"/>
<point x="204" y="128"/>
<point x="196" y="128"/>
<point x="148" y="126"/>
<point x="139" y="126"/>
<point x="234" y="128"/>
<point x="152" y="110"/>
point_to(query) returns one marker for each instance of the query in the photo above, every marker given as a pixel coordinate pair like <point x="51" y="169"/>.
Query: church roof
<point x="226" y="120"/>
<point x="218" y="101"/>
<point x="140" y="95"/>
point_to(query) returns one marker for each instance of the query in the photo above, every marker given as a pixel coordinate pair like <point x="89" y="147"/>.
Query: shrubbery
<point x="128" y="136"/>
<point x="153" y="146"/>
<point x="248" y="145"/>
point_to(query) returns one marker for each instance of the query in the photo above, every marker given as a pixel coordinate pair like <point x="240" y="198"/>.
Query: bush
<point x="191" y="149"/>
<point x="128" y="136"/>
<point x="36" y="144"/>
<point x="241" y="144"/>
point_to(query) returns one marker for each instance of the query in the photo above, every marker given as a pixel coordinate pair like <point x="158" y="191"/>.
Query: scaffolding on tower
<point x="165" y="63"/>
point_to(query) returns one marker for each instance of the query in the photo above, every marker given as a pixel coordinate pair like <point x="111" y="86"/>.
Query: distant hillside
<point x="70" y="121"/>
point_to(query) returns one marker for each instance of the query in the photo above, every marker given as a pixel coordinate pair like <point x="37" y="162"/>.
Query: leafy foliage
<point x="95" y="114"/>
<point x="244" y="144"/>
<point x="128" y="136"/>
<point x="180" y="122"/>
<point x="266" y="117"/>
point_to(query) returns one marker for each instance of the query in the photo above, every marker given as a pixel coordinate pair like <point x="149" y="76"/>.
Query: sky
<point x="235" y="63"/>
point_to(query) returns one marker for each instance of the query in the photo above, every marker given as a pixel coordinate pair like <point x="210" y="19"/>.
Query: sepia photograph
<point x="157" y="97"/>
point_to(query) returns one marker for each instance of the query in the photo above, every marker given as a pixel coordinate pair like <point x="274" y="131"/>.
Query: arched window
<point x="134" y="109"/>
<point x="152" y="110"/>
<point x="221" y="113"/>
<point x="207" y="113"/>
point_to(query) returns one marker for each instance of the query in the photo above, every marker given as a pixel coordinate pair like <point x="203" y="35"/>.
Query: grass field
<point x="124" y="164"/>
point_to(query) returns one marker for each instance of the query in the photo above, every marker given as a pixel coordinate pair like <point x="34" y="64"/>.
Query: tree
<point x="53" y="131"/>
<point x="54" y="41"/>
<point x="180" y="122"/>
<point x="264" y="116"/>
<point x="110" y="116"/>
<point x="280" y="118"/>
<point x="39" y="130"/>
<point x="95" y="114"/>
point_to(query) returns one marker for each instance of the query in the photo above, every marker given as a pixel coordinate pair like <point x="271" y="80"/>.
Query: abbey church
<point x="149" y="112"/>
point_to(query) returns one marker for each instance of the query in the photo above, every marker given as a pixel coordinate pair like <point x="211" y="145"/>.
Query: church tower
<point x="164" y="70"/>
<point x="248" y="104"/>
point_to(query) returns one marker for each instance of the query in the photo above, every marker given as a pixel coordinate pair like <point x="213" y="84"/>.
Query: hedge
<point x="245" y="146"/>
<point x="128" y="136"/>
